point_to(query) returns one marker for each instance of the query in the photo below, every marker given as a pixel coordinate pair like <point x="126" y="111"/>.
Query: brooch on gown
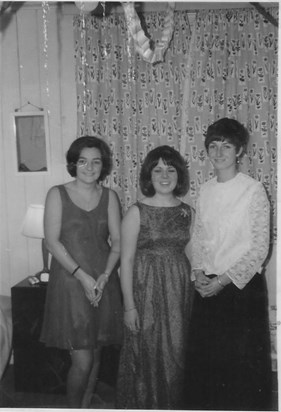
<point x="184" y="212"/>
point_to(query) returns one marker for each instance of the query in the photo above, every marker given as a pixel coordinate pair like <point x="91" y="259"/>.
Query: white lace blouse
<point x="231" y="229"/>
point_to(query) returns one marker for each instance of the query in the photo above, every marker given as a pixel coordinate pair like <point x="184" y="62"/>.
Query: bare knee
<point x="82" y="361"/>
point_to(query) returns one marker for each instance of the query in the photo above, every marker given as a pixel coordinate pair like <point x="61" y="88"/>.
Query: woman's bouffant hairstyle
<point x="170" y="157"/>
<point x="230" y="130"/>
<point x="81" y="143"/>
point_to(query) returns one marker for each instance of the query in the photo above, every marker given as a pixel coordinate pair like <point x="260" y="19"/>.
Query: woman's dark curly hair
<point x="230" y="130"/>
<point x="170" y="157"/>
<point x="76" y="148"/>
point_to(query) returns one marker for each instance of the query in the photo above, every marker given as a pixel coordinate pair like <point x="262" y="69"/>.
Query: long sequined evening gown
<point x="151" y="370"/>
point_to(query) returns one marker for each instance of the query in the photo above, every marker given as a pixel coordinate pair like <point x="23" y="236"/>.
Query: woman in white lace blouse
<point x="229" y="359"/>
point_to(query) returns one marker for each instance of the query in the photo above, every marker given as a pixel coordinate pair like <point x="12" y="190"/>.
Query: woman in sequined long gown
<point x="157" y="291"/>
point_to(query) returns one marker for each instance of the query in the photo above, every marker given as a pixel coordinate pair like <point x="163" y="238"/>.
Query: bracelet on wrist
<point x="75" y="270"/>
<point x="106" y="275"/>
<point x="220" y="282"/>
<point x="129" y="310"/>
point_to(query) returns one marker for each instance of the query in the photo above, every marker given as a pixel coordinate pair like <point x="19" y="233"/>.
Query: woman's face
<point x="222" y="154"/>
<point x="89" y="165"/>
<point x="164" y="178"/>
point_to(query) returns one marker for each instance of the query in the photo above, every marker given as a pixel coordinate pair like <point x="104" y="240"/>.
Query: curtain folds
<point x="233" y="73"/>
<point x="133" y="105"/>
<point x="224" y="65"/>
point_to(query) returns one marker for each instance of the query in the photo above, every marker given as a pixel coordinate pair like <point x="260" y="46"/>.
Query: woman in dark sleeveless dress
<point x="155" y="279"/>
<point x="83" y="309"/>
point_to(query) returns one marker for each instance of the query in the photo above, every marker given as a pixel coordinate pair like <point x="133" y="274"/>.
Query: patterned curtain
<point x="226" y="68"/>
<point x="133" y="105"/>
<point x="233" y="73"/>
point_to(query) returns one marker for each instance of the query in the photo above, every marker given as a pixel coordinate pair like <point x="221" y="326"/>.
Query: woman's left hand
<point x="100" y="285"/>
<point x="211" y="289"/>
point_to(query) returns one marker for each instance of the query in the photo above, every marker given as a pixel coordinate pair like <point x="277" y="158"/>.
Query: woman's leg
<point x="92" y="379"/>
<point x="78" y="375"/>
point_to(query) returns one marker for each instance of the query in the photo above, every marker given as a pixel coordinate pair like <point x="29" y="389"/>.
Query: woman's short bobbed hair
<point x="230" y="130"/>
<point x="83" y="142"/>
<point x="170" y="157"/>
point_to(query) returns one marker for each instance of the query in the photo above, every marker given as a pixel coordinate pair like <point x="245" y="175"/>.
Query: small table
<point x="36" y="367"/>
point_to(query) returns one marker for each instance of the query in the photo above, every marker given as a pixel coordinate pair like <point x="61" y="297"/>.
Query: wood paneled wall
<point x="44" y="76"/>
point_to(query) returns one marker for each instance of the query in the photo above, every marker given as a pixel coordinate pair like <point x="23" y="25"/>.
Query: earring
<point x="237" y="160"/>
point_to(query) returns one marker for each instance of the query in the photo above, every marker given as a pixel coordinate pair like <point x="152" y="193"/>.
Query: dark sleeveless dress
<point x="151" y="369"/>
<point x="70" y="321"/>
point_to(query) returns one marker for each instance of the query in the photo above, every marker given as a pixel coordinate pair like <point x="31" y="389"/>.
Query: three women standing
<point x="227" y="342"/>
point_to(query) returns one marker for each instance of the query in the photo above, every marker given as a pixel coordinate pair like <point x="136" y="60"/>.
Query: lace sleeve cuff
<point x="251" y="262"/>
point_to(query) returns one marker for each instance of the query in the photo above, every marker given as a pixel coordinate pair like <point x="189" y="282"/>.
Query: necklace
<point x="141" y="42"/>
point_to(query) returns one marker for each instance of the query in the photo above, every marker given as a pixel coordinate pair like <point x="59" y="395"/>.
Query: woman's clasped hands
<point x="206" y="286"/>
<point x="93" y="289"/>
<point x="96" y="296"/>
<point x="98" y="289"/>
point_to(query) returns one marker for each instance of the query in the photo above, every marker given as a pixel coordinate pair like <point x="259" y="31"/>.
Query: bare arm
<point x="52" y="229"/>
<point x="196" y="242"/>
<point x="129" y="235"/>
<point x="188" y="248"/>
<point x="114" y="223"/>
<point x="197" y="273"/>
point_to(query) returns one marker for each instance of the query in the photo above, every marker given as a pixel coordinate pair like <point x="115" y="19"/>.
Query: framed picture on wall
<point x="32" y="142"/>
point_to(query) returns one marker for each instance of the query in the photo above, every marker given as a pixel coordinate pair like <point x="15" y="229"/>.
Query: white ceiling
<point x="183" y="5"/>
<point x="69" y="6"/>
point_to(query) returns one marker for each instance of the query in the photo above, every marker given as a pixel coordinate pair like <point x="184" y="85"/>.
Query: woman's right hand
<point x="131" y="320"/>
<point x="90" y="288"/>
<point x="201" y="280"/>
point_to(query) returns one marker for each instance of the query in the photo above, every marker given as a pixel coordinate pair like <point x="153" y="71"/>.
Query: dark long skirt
<point x="229" y="366"/>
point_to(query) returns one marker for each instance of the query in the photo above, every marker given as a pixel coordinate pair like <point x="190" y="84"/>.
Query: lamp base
<point x="43" y="276"/>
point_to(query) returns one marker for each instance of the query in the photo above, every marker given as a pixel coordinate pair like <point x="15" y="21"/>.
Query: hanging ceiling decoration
<point x="141" y="41"/>
<point x="86" y="6"/>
